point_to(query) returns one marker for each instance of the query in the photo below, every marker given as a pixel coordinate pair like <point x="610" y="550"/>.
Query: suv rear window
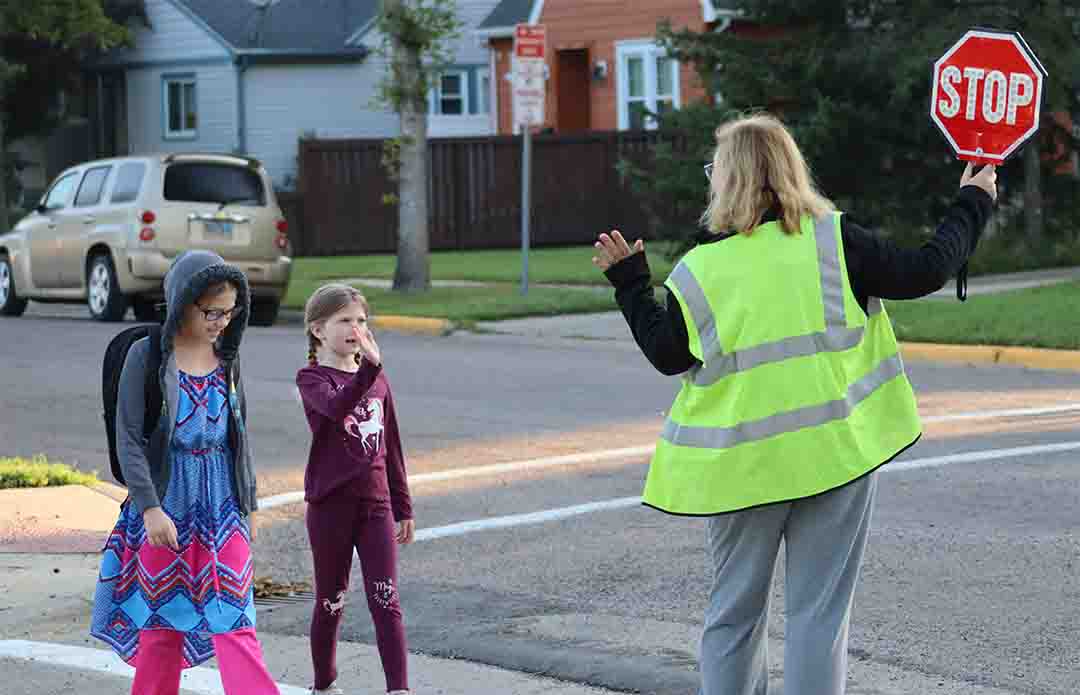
<point x="202" y="182"/>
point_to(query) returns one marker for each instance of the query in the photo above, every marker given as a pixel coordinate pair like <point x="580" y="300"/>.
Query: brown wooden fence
<point x="474" y="198"/>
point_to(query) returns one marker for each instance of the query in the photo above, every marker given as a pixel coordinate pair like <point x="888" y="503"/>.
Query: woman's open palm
<point x="613" y="249"/>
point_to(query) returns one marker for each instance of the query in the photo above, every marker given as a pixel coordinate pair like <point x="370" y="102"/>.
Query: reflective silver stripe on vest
<point x="783" y="423"/>
<point x="832" y="277"/>
<point x="836" y="337"/>
<point x="694" y="296"/>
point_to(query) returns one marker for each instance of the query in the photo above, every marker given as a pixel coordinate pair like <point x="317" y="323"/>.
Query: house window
<point x="451" y="94"/>
<point x="648" y="82"/>
<point x="181" y="107"/>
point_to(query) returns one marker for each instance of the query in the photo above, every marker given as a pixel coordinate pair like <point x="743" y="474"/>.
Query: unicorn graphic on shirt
<point x="366" y="424"/>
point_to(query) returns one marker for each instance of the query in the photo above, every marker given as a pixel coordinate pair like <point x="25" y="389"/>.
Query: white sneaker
<point x="332" y="690"/>
<point x="399" y="692"/>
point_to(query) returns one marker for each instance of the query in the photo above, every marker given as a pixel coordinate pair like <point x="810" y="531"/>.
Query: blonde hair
<point x="324" y="303"/>
<point x="757" y="165"/>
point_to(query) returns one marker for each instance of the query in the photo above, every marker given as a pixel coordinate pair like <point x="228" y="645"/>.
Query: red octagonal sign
<point x="987" y="92"/>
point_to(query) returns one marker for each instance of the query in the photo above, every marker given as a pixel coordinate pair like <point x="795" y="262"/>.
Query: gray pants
<point x="825" y="537"/>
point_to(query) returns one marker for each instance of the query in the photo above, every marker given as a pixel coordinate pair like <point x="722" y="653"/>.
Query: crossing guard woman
<point x="793" y="394"/>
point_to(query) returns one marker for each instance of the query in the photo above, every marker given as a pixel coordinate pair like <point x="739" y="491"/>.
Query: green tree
<point x="852" y="78"/>
<point x="48" y="35"/>
<point x="416" y="41"/>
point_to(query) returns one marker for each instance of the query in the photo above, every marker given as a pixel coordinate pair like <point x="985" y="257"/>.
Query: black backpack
<point x="111" y="367"/>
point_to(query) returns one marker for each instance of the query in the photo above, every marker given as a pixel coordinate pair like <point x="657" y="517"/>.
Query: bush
<point x="38" y="472"/>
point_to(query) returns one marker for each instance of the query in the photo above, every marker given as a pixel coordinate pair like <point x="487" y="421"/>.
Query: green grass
<point x="469" y="304"/>
<point x="38" y="472"/>
<point x="1039" y="317"/>
<point x="569" y="265"/>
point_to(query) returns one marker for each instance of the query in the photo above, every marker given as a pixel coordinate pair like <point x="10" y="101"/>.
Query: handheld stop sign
<point x="987" y="93"/>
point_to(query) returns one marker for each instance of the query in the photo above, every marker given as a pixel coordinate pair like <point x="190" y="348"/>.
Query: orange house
<point x="605" y="70"/>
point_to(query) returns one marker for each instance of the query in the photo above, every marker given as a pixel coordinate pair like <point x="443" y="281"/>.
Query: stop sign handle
<point x="975" y="158"/>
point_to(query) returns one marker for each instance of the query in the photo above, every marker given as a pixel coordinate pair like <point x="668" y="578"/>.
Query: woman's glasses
<point x="708" y="171"/>
<point x="219" y="314"/>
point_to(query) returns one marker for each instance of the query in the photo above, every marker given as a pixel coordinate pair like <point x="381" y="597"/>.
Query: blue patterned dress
<point x="206" y="588"/>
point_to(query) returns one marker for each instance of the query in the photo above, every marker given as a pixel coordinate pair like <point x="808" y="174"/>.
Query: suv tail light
<point x="282" y="239"/>
<point x="147" y="233"/>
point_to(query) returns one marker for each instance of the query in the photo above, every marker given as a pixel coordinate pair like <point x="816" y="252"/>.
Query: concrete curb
<point x="411" y="325"/>
<point x="1033" y="358"/>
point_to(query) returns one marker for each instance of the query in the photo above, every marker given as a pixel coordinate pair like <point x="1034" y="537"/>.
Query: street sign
<point x="987" y="94"/>
<point x="530" y="73"/>
<point x="529" y="84"/>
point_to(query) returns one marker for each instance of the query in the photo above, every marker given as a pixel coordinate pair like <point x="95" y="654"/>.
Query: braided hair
<point x="324" y="303"/>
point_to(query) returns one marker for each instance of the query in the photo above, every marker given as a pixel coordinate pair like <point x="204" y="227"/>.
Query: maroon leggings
<point x="335" y="526"/>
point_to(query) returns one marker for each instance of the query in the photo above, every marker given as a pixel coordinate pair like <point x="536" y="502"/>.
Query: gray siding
<point x="173" y="36"/>
<point x="330" y="101"/>
<point x="468" y="50"/>
<point x="215" y="95"/>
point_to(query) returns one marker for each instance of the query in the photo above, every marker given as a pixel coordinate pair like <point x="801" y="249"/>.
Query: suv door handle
<point x="89" y="220"/>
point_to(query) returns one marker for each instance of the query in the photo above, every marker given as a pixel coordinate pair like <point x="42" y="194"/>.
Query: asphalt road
<point x="969" y="584"/>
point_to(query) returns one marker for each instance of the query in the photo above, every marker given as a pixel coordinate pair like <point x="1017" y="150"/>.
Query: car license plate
<point x="220" y="229"/>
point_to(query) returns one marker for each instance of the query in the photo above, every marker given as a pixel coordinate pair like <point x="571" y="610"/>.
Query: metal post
<point x="526" y="207"/>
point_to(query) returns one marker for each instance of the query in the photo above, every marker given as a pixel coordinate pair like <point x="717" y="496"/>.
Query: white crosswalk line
<point x="204" y="681"/>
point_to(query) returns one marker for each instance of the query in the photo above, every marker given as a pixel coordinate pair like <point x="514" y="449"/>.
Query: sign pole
<point x="526" y="205"/>
<point x="530" y="74"/>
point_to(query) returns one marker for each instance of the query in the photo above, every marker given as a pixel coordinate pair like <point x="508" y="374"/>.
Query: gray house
<point x="254" y="76"/>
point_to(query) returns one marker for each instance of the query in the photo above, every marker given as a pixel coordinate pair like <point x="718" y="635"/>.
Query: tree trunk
<point x="1033" y="204"/>
<point x="413" y="272"/>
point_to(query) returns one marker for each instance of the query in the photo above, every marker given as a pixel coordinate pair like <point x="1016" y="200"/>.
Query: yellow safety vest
<point x="797" y="392"/>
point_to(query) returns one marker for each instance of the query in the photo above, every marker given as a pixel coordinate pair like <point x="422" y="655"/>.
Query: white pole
<point x="526" y="190"/>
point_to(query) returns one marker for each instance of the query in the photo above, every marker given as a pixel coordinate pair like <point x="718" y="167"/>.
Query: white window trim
<point x="483" y="96"/>
<point x="182" y="80"/>
<point x="647" y="49"/>
<point x="435" y="94"/>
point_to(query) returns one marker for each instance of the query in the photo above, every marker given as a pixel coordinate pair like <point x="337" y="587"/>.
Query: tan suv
<point x="106" y="231"/>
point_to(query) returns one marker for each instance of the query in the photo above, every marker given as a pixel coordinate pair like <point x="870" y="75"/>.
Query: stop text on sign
<point x="999" y="96"/>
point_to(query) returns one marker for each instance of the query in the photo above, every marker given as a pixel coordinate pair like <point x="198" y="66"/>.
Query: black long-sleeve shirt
<point x="876" y="268"/>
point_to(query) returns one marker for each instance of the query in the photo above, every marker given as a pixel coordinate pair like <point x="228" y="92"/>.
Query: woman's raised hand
<point x="613" y="249"/>
<point x="986" y="179"/>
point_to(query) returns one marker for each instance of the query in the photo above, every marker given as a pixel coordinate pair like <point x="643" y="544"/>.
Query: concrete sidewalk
<point x="45" y="600"/>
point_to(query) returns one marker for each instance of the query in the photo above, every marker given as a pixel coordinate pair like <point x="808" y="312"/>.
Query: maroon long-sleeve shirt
<point x="354" y="437"/>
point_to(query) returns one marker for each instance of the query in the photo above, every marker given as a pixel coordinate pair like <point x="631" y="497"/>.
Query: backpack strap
<point x="152" y="389"/>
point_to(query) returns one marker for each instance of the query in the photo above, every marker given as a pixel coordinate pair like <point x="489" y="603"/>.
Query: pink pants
<point x="240" y="662"/>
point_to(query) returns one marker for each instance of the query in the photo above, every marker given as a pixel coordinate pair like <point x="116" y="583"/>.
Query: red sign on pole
<point x="530" y="41"/>
<point x="987" y="94"/>
<point x="529" y="74"/>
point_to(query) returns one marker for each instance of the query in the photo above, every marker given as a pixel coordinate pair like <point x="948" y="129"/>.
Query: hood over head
<point x="189" y="276"/>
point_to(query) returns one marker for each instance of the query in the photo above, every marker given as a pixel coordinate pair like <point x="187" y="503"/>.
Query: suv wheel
<point x="102" y="292"/>
<point x="10" y="303"/>
<point x="264" y="312"/>
<point x="146" y="310"/>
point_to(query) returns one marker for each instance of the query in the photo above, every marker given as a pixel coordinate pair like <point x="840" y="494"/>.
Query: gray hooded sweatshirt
<point x="147" y="464"/>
